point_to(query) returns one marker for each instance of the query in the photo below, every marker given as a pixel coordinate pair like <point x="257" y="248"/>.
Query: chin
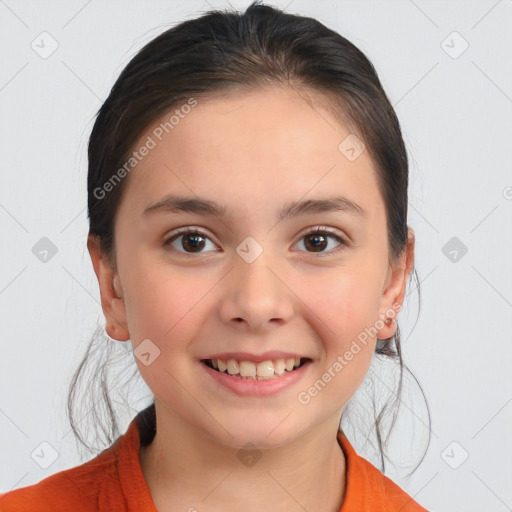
<point x="258" y="434"/>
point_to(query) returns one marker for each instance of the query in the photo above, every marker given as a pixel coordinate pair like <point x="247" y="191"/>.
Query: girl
<point x="247" y="197"/>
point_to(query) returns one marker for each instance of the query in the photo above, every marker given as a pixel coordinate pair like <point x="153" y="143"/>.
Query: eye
<point x="192" y="241"/>
<point x="317" y="240"/>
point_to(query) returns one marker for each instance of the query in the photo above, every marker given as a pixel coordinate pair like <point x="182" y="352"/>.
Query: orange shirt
<point x="113" y="482"/>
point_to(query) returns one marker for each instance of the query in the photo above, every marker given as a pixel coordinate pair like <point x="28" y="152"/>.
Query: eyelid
<point x="189" y="229"/>
<point x="323" y="229"/>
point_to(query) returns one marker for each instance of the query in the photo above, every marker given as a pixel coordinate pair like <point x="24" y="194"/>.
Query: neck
<point x="184" y="468"/>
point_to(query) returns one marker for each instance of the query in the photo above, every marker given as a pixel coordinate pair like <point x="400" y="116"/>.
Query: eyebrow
<point x="174" y="204"/>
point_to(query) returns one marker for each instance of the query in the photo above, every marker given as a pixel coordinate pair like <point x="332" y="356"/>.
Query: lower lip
<point x="250" y="387"/>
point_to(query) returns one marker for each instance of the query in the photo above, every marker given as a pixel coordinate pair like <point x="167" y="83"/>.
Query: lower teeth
<point x="237" y="376"/>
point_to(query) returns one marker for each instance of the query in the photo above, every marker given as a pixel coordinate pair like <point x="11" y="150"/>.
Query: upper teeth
<point x="250" y="369"/>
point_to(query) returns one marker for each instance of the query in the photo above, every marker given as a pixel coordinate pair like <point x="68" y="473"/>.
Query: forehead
<point x="250" y="149"/>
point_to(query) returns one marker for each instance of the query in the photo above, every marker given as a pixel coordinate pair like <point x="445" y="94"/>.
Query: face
<point x="245" y="280"/>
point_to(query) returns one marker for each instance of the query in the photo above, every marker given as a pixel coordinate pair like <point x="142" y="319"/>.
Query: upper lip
<point x="256" y="358"/>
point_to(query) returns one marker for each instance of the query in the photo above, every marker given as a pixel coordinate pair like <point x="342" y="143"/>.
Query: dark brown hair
<point x="220" y="52"/>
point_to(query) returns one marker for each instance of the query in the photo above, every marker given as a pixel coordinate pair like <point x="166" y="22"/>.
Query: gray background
<point x="454" y="107"/>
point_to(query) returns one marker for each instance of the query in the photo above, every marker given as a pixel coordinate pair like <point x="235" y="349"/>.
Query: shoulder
<point x="398" y="499"/>
<point x="81" y="489"/>
<point x="369" y="489"/>
<point x="111" y="482"/>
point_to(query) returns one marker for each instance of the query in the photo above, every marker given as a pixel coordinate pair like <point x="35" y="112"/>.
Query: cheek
<point x="346" y="303"/>
<point x="343" y="310"/>
<point x="168" y="308"/>
<point x="348" y="346"/>
<point x="156" y="301"/>
<point x="165" y="310"/>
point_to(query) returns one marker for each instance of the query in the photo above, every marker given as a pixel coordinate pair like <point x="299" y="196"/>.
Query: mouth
<point x="249" y="370"/>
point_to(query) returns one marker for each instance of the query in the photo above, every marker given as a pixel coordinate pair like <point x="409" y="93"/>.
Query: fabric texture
<point x="113" y="481"/>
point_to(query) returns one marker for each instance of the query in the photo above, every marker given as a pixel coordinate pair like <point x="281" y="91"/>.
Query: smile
<point x="249" y="370"/>
<point x="256" y="379"/>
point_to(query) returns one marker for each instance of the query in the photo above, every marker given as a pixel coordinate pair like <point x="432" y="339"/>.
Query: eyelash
<point x="324" y="230"/>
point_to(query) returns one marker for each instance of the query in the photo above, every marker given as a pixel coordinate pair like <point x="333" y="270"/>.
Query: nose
<point x="256" y="297"/>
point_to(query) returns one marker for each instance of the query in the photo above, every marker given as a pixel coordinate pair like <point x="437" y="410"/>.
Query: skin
<point x="253" y="152"/>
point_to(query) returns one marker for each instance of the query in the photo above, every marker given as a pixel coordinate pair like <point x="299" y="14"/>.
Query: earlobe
<point x="110" y="290"/>
<point x="117" y="330"/>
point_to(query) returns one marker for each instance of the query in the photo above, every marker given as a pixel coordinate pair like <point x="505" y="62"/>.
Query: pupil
<point x="195" y="244"/>
<point x="320" y="241"/>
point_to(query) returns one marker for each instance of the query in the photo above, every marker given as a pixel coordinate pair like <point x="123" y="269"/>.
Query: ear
<point x="394" y="287"/>
<point x="112" y="301"/>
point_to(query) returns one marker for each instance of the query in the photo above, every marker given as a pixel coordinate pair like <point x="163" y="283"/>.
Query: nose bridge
<point x="256" y="295"/>
<point x="255" y="279"/>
